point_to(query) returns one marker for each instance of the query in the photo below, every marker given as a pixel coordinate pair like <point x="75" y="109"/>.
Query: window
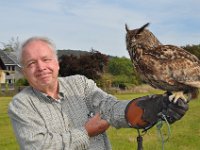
<point x="13" y="68"/>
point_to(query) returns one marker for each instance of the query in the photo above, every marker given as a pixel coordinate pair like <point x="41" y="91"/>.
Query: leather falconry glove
<point x="144" y="112"/>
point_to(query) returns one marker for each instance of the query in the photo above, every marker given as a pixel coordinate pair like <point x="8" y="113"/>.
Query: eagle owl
<point x="165" y="67"/>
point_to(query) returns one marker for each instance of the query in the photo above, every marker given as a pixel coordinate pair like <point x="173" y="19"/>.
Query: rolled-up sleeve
<point x="32" y="133"/>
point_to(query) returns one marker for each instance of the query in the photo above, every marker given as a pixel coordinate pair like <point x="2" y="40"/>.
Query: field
<point x="7" y="139"/>
<point x="185" y="134"/>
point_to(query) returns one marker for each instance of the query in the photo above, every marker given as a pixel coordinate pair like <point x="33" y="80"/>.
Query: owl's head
<point x="140" y="37"/>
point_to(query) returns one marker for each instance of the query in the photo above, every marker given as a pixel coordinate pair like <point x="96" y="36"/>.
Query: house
<point x="2" y="73"/>
<point x="9" y="68"/>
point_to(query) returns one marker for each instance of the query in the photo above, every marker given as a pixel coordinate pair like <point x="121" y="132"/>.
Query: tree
<point x="100" y="59"/>
<point x="123" y="71"/>
<point x="12" y="45"/>
<point x="68" y="65"/>
<point x="91" y="65"/>
<point x="194" y="49"/>
<point x="120" y="66"/>
<point x="22" y="82"/>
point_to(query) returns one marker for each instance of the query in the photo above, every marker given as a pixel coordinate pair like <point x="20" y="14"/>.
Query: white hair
<point x="46" y="40"/>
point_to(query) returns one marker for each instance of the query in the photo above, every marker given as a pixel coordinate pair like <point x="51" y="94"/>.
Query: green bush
<point x="22" y="82"/>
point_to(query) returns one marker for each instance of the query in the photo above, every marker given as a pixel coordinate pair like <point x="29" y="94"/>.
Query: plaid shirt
<point x="40" y="122"/>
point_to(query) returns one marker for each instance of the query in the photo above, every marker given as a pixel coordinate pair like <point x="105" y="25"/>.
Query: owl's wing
<point x="173" y="64"/>
<point x="171" y="53"/>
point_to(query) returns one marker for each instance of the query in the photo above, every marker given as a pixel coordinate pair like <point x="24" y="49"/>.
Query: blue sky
<point x="99" y="24"/>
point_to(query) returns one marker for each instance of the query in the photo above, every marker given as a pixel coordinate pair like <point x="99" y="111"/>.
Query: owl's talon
<point x="171" y="98"/>
<point x="175" y="96"/>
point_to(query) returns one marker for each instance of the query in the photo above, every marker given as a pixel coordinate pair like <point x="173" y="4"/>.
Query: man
<point x="72" y="112"/>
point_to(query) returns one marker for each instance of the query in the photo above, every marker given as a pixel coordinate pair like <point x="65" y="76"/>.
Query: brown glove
<point x="145" y="111"/>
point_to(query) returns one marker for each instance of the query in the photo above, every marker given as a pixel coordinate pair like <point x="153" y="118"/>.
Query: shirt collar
<point x="60" y="94"/>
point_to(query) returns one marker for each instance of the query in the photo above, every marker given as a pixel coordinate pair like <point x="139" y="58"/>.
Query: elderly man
<point x="56" y="113"/>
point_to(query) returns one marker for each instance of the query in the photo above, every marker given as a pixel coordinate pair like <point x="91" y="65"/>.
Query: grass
<point x="185" y="134"/>
<point x="7" y="139"/>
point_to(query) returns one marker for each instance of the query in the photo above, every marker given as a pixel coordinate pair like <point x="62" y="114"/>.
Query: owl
<point x="166" y="67"/>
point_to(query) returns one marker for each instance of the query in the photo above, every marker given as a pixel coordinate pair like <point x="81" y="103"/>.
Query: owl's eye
<point x="137" y="36"/>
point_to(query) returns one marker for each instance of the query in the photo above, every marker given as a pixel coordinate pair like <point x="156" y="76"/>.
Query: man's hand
<point x="175" y="111"/>
<point x="95" y="125"/>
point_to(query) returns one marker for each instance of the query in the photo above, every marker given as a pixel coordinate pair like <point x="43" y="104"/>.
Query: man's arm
<point x="139" y="113"/>
<point x="109" y="108"/>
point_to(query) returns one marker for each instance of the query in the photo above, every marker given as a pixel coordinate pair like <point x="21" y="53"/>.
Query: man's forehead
<point x="37" y="52"/>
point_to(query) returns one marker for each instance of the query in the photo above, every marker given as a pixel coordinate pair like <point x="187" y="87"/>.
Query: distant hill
<point x="76" y="53"/>
<point x="68" y="52"/>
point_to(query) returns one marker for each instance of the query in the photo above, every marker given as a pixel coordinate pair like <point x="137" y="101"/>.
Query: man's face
<point x="40" y="65"/>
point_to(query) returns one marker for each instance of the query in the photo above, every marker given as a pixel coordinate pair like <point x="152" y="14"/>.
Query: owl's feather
<point x="166" y="67"/>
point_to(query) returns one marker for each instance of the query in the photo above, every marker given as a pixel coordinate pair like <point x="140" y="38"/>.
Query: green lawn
<point x="185" y="134"/>
<point x="7" y="139"/>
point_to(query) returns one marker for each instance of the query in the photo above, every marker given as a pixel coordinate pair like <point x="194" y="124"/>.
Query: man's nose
<point x="40" y="65"/>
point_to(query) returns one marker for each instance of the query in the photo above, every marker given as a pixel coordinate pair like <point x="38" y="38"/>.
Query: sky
<point x="99" y="24"/>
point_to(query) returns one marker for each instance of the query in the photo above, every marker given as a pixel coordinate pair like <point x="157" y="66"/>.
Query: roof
<point x="8" y="58"/>
<point x="2" y="66"/>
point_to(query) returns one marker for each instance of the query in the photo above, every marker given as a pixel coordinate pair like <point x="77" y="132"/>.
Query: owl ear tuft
<point x="126" y="27"/>
<point x="142" y="28"/>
